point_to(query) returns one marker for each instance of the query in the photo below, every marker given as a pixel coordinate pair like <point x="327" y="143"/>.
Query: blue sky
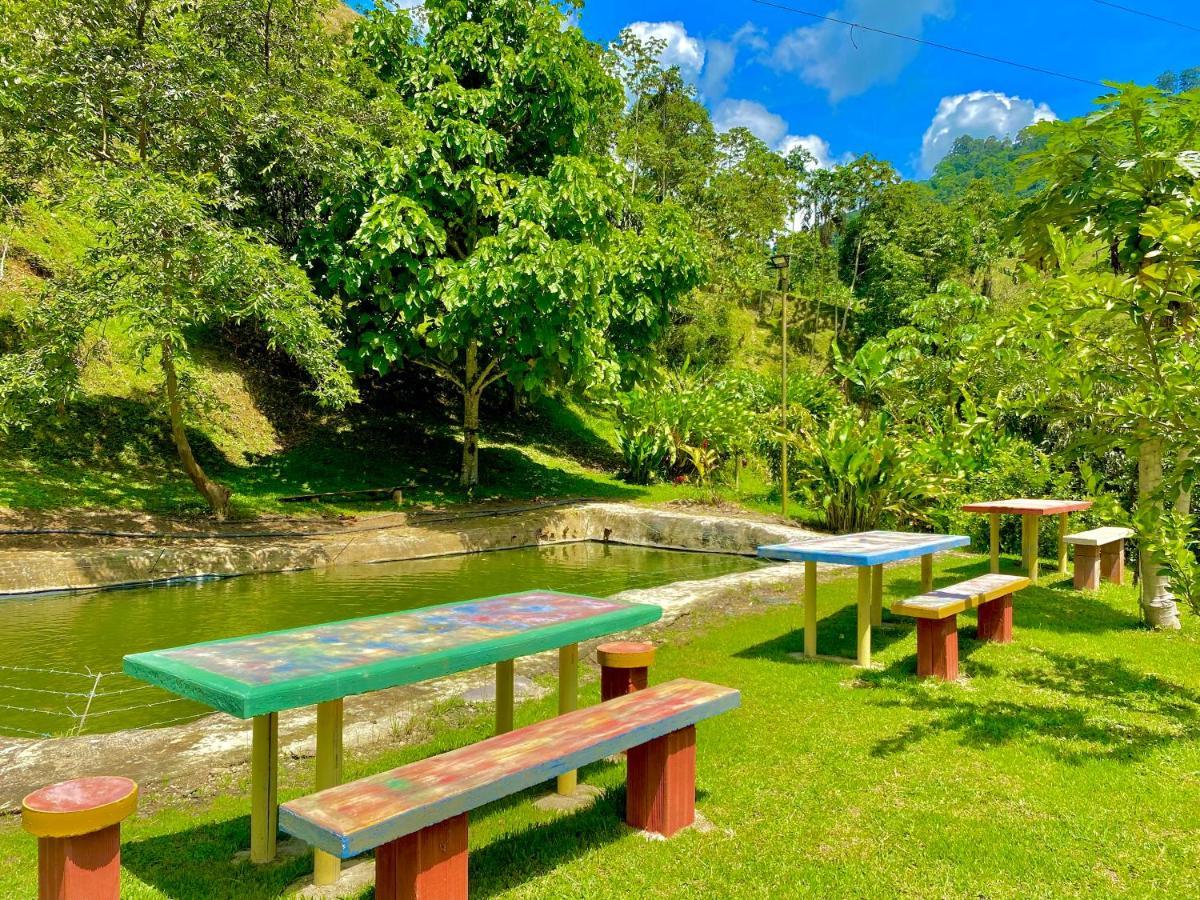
<point x="791" y="78"/>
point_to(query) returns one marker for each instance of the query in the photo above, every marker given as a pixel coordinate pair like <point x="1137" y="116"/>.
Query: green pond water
<point x="52" y="642"/>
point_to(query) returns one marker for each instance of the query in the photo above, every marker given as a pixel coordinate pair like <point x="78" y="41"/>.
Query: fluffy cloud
<point x="817" y="147"/>
<point x="681" y="49"/>
<point x="722" y="55"/>
<point x="760" y="121"/>
<point x="846" y="62"/>
<point x="979" y="114"/>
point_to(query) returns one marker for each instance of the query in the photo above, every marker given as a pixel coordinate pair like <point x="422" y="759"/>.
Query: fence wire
<point x="50" y="703"/>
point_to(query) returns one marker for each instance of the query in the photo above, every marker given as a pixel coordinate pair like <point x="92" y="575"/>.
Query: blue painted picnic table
<point x="259" y="675"/>
<point x="867" y="551"/>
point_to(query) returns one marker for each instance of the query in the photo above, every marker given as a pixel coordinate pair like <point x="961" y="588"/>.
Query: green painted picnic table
<point x="256" y="677"/>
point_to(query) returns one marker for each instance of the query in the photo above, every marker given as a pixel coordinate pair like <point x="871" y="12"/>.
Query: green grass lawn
<point x="1066" y="764"/>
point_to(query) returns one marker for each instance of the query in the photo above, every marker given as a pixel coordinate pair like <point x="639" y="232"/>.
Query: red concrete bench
<point x="1099" y="554"/>
<point x="415" y="817"/>
<point x="936" y="613"/>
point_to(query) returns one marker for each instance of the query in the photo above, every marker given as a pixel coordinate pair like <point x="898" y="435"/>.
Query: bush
<point x="861" y="473"/>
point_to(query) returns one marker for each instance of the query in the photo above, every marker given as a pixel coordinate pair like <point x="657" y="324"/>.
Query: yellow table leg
<point x="876" y="595"/>
<point x="1029" y="546"/>
<point x="1062" y="543"/>
<point x="994" y="525"/>
<point x="568" y="701"/>
<point x="926" y="573"/>
<point x="864" y="616"/>
<point x="505" y="674"/>
<point x="326" y="867"/>
<point x="810" y="609"/>
<point x="264" y="786"/>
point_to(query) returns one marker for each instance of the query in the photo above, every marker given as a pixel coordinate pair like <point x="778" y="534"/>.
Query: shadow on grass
<point x="198" y="863"/>
<point x="1076" y="708"/>
<point x="837" y="635"/>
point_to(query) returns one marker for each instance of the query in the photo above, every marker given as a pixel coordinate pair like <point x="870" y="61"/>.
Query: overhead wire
<point x="1148" y="15"/>
<point x="928" y="43"/>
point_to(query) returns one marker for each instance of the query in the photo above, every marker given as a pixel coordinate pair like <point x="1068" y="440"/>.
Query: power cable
<point x="935" y="44"/>
<point x="1147" y="15"/>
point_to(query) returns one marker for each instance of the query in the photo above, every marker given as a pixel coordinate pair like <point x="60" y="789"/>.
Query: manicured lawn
<point x="1067" y="764"/>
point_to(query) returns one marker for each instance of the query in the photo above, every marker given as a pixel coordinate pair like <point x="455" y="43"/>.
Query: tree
<point x="166" y="270"/>
<point x="1114" y="327"/>
<point x="496" y="242"/>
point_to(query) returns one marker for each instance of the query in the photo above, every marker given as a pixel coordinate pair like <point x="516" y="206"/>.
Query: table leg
<point x="864" y="616"/>
<point x="810" y="609"/>
<point x="1062" y="544"/>
<point x="994" y="528"/>
<point x="264" y="786"/>
<point x="926" y="573"/>
<point x="876" y="595"/>
<point x="1029" y="545"/>
<point x="505" y="675"/>
<point x="330" y="717"/>
<point x="568" y="701"/>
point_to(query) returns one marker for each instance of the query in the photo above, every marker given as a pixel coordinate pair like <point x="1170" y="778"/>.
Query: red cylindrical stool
<point x="78" y="826"/>
<point x="624" y="667"/>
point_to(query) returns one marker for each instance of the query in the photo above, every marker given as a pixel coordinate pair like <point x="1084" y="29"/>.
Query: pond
<point x="60" y="672"/>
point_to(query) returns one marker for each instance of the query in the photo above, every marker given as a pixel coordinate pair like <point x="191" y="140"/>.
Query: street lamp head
<point x="780" y="261"/>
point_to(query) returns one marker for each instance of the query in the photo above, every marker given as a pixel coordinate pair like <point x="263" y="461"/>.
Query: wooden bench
<point x="415" y="816"/>
<point x="937" y="625"/>
<point x="1099" y="554"/>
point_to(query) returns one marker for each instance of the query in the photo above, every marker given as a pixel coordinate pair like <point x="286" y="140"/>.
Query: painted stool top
<point x="79" y="806"/>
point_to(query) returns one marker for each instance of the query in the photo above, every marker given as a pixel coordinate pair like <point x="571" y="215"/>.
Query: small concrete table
<point x="1029" y="511"/>
<point x="257" y="676"/>
<point x="867" y="551"/>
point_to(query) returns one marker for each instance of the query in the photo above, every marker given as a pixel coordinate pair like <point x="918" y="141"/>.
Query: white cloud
<point x="722" y="55"/>
<point x="681" y="49"/>
<point x="817" y="147"/>
<point x="979" y="114"/>
<point x="846" y="62"/>
<point x="764" y="124"/>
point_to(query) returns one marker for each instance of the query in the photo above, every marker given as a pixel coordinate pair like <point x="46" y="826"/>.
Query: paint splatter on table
<point x="867" y="548"/>
<point x="355" y="817"/>
<point x="265" y="673"/>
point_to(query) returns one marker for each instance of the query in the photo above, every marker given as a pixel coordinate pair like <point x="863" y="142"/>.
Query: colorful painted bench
<point x="1099" y="554"/>
<point x="936" y="613"/>
<point x="415" y="817"/>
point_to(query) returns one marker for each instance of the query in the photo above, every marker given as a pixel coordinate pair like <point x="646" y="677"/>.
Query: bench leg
<point x="1087" y="568"/>
<point x="1112" y="562"/>
<point x="430" y="864"/>
<point x="660" y="793"/>
<point x="937" y="648"/>
<point x="995" y="620"/>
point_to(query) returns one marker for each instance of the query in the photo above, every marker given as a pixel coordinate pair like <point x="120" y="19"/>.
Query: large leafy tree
<point x="1114" y="329"/>
<point x="495" y="242"/>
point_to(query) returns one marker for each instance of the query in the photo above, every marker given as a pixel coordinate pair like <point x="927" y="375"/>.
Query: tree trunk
<point x="1158" y="604"/>
<point x="471" y="393"/>
<point x="216" y="494"/>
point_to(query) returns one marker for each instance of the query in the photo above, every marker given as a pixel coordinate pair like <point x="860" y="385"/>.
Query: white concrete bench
<point x="937" y="625"/>
<point x="1099" y="554"/>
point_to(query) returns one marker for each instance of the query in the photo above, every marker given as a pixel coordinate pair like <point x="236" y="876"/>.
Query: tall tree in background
<point x="1115" y="327"/>
<point x="496" y="242"/>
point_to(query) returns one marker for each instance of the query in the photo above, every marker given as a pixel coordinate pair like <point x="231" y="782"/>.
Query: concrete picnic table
<point x="255" y="677"/>
<point x="867" y="551"/>
<point x="1029" y="511"/>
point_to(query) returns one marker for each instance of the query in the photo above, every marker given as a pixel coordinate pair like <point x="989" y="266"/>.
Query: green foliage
<point x="860" y="472"/>
<point x="992" y="161"/>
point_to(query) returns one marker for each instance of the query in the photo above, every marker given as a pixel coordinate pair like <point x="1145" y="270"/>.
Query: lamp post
<point x="781" y="262"/>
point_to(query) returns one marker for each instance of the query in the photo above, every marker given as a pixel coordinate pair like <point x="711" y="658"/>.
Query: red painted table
<point x="1030" y="512"/>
